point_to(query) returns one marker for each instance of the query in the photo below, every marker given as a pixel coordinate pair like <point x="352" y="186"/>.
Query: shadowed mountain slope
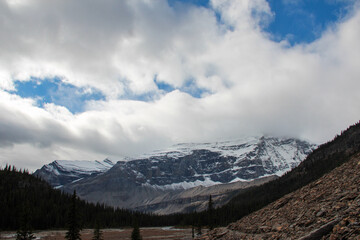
<point x="327" y="207"/>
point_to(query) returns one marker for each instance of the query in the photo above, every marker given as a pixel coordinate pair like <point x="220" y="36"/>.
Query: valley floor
<point x="112" y="234"/>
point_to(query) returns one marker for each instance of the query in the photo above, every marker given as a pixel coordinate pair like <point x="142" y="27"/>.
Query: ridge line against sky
<point x="120" y="78"/>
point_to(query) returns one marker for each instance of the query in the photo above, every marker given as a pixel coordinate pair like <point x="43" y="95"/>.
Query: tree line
<point x="48" y="207"/>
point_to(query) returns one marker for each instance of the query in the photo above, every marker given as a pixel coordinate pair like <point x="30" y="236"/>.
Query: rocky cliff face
<point x="161" y="180"/>
<point x="220" y="162"/>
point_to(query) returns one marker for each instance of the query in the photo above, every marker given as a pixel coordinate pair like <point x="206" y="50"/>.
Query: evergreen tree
<point x="97" y="232"/>
<point x="74" y="228"/>
<point x="199" y="231"/>
<point x="210" y="213"/>
<point x="199" y="224"/>
<point x="135" y="235"/>
<point x="25" y="233"/>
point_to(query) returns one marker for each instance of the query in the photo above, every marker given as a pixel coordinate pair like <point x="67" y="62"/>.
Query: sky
<point x="89" y="79"/>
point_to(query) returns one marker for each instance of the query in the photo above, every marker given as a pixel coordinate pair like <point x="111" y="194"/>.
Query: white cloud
<point x="253" y="85"/>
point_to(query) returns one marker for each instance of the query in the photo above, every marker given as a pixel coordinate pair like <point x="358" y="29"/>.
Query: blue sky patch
<point x="303" y="21"/>
<point x="163" y="86"/>
<point x="53" y="90"/>
<point x="144" y="97"/>
<point x="202" y="3"/>
<point x="297" y="21"/>
<point x="191" y="88"/>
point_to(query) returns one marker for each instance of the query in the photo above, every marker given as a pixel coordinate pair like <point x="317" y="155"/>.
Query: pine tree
<point x="74" y="228"/>
<point x="210" y="213"/>
<point x="25" y="233"/>
<point x="199" y="225"/>
<point x="98" y="234"/>
<point x="199" y="232"/>
<point x="135" y="235"/>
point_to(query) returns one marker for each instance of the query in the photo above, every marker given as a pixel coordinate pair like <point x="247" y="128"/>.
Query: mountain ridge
<point x="136" y="183"/>
<point x="226" y="149"/>
<point x="61" y="172"/>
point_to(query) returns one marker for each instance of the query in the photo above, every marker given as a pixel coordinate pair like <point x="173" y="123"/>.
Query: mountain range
<point x="180" y="178"/>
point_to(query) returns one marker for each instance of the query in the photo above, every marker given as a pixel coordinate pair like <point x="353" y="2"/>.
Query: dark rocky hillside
<point x="326" y="208"/>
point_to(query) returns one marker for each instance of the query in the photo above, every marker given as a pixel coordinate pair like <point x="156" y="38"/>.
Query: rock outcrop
<point x="328" y="208"/>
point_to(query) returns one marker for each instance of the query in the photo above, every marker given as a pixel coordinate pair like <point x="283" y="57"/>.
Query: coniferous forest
<point x="48" y="208"/>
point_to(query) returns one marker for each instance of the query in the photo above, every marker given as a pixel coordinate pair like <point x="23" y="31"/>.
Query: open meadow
<point x="112" y="234"/>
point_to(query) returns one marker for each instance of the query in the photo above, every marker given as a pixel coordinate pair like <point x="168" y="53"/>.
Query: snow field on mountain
<point x="79" y="166"/>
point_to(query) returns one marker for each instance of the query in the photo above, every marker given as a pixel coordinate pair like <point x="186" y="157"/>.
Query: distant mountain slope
<point x="196" y="198"/>
<point x="61" y="172"/>
<point x="137" y="183"/>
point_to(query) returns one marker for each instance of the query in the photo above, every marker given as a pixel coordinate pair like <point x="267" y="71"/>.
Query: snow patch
<point x="77" y="180"/>
<point x="79" y="166"/>
<point x="185" y="185"/>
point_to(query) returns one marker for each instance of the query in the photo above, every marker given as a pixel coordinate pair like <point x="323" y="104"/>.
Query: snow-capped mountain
<point x="137" y="183"/>
<point x="61" y="172"/>
<point x="192" y="164"/>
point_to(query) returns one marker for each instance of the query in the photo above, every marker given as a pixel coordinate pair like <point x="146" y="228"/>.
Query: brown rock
<point x="330" y="206"/>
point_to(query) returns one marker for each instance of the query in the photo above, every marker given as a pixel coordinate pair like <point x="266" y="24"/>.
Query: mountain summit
<point x="61" y="172"/>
